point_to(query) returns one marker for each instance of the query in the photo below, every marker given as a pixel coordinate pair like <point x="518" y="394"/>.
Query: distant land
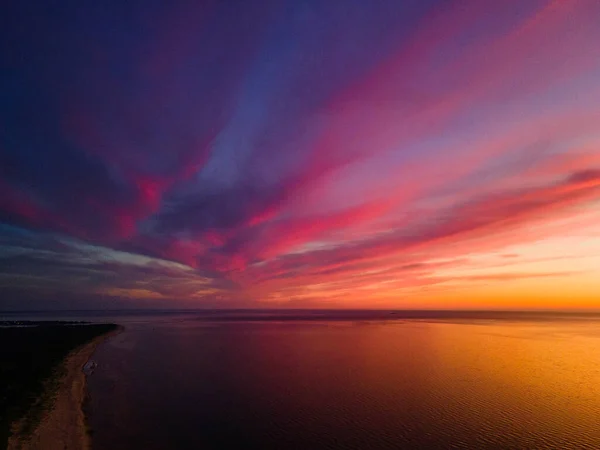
<point x="306" y="314"/>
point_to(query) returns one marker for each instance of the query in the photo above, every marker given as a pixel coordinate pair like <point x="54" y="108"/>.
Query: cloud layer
<point x="376" y="153"/>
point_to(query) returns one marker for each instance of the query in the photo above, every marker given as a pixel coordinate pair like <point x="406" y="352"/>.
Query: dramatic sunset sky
<point x="300" y="153"/>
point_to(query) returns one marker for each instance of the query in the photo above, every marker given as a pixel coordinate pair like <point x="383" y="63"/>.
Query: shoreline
<point x="63" y="425"/>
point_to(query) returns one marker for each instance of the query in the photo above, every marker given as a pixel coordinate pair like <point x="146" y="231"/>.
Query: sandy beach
<point x="62" y="426"/>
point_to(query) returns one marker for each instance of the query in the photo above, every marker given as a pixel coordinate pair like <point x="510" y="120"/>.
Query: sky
<point x="300" y="154"/>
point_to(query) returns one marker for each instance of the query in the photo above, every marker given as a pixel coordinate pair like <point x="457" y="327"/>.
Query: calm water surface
<point x="297" y="384"/>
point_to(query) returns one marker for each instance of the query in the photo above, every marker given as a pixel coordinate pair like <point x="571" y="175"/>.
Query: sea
<point x="345" y="380"/>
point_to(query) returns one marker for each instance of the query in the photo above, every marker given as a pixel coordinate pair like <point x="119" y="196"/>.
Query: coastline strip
<point x="63" y="426"/>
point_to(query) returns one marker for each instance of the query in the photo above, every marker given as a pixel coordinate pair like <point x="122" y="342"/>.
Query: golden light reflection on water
<point x="496" y="378"/>
<point x="532" y="377"/>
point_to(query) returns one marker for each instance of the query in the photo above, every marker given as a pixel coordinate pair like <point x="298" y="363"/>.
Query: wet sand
<point x="62" y="426"/>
